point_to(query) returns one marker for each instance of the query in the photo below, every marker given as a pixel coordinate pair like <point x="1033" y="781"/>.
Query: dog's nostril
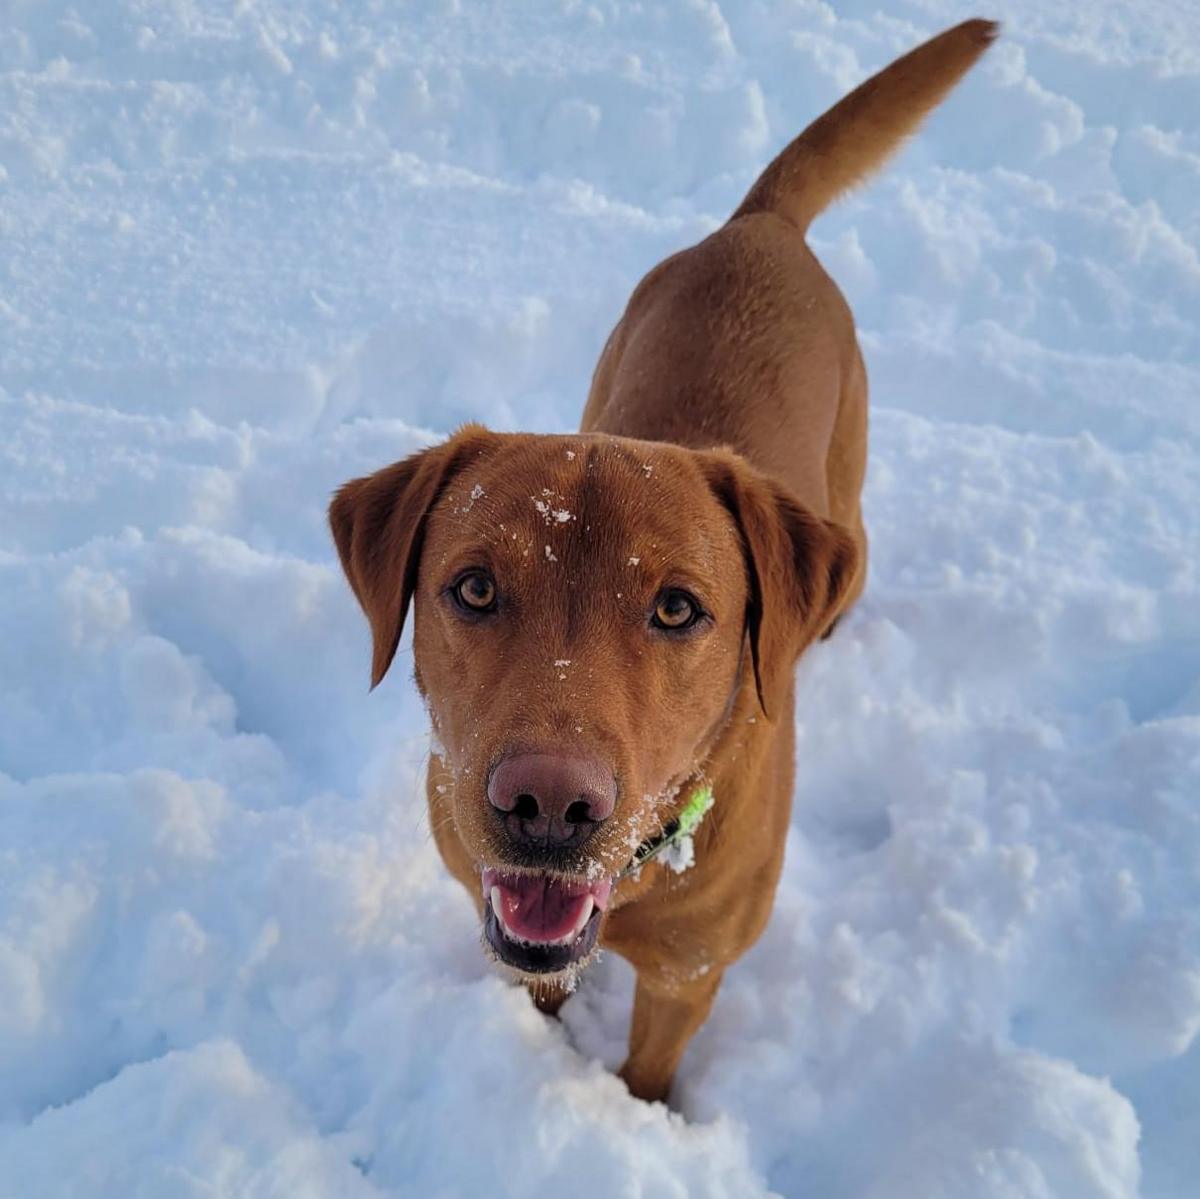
<point x="526" y="807"/>
<point x="580" y="812"/>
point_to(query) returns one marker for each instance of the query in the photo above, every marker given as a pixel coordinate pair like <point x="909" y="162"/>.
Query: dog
<point x="607" y="623"/>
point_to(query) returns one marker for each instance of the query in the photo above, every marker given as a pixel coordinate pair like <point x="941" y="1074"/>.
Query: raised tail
<point x="857" y="135"/>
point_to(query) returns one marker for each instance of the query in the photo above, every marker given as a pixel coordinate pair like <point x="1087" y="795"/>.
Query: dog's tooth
<point x="498" y="906"/>
<point x="584" y="916"/>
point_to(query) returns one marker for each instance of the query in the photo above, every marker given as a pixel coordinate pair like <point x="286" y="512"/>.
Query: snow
<point x="250" y="252"/>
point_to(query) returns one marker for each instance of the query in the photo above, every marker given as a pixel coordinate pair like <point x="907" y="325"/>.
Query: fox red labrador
<point x="607" y="622"/>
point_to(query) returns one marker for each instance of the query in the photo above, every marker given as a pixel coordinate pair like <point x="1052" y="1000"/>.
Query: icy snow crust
<point x="249" y="251"/>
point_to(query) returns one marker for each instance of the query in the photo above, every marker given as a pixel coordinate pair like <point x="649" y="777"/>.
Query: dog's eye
<point x="476" y="592"/>
<point x="675" y="610"/>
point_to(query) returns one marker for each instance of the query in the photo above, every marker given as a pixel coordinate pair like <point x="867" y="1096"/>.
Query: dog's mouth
<point x="540" y="923"/>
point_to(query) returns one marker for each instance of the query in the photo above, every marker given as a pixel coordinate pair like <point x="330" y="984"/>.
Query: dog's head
<point x="587" y="608"/>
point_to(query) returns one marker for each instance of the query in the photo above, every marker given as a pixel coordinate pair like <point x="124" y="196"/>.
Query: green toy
<point x="673" y="838"/>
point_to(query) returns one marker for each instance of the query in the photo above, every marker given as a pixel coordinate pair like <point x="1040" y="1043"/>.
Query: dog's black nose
<point x="552" y="801"/>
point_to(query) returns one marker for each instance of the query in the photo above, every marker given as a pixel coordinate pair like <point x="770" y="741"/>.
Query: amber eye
<point x="675" y="610"/>
<point x="476" y="592"/>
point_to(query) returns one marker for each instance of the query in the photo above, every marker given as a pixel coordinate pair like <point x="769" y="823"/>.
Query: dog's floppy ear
<point x="799" y="567"/>
<point x="378" y="524"/>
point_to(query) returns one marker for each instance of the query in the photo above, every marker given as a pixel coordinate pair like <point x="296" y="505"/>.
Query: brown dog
<point x="607" y="623"/>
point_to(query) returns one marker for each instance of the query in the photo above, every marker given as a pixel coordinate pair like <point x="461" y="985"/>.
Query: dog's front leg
<point x="548" y="996"/>
<point x="665" y="1015"/>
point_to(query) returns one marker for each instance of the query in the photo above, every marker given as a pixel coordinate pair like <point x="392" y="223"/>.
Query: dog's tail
<point x="855" y="137"/>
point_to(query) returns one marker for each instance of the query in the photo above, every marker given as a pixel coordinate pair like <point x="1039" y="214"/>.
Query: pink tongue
<point x="537" y="908"/>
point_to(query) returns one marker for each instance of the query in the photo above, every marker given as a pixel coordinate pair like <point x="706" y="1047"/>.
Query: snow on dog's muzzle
<point x="541" y="924"/>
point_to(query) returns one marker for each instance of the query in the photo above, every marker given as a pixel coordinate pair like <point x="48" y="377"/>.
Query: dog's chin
<point x="541" y="925"/>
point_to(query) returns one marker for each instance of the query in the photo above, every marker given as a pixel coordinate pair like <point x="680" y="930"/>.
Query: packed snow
<point x="250" y="251"/>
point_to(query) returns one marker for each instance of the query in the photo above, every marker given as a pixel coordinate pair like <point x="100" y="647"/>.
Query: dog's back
<point x="744" y="340"/>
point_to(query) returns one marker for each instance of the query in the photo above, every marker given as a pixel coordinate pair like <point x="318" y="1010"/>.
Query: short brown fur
<point x="722" y="448"/>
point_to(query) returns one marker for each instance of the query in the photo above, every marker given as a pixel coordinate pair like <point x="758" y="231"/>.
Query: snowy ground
<point x="248" y="251"/>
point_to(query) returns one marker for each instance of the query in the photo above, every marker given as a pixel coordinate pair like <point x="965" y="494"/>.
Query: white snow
<point x="549" y="514"/>
<point x="250" y="251"/>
